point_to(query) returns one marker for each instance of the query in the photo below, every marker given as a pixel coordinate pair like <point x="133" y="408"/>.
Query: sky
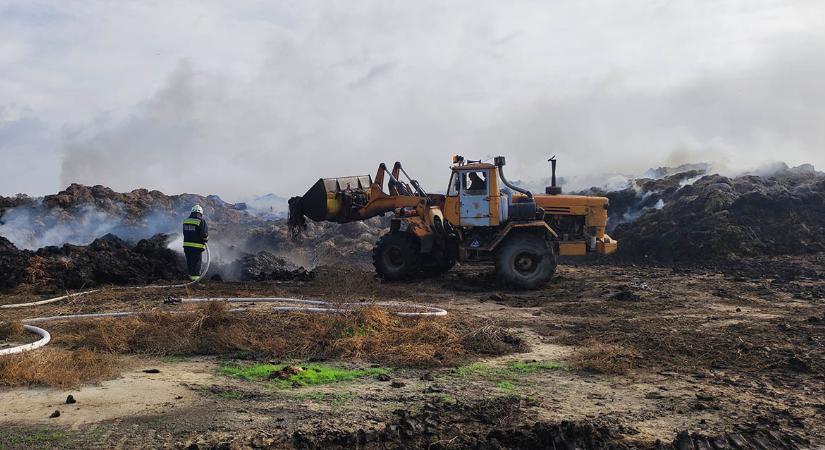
<point x="245" y="98"/>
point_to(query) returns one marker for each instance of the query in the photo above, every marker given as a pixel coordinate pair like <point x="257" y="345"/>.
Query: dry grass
<point x="371" y="334"/>
<point x="10" y="330"/>
<point x="491" y="339"/>
<point x="599" y="357"/>
<point x="55" y="367"/>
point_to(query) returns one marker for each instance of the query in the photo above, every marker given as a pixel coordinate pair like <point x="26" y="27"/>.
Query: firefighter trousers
<point x="193" y="262"/>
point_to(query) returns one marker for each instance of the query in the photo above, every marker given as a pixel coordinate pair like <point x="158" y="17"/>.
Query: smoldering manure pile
<point x="91" y="236"/>
<point x="695" y="218"/>
<point x="682" y="216"/>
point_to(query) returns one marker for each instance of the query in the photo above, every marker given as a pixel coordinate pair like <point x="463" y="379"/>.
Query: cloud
<point x="260" y="98"/>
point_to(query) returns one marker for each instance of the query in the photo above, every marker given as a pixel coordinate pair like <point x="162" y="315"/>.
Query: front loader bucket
<point x="323" y="201"/>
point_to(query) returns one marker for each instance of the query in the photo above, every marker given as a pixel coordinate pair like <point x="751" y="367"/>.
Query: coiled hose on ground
<point x="298" y="305"/>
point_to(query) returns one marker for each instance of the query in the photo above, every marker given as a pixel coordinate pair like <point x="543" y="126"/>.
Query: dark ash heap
<point x="55" y="242"/>
<point x="107" y="260"/>
<point x="716" y="218"/>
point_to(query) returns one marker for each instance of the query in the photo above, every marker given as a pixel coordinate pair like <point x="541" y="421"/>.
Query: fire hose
<point x="297" y="305"/>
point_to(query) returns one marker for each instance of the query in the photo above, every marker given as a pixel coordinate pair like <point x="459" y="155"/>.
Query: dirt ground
<point x="619" y="357"/>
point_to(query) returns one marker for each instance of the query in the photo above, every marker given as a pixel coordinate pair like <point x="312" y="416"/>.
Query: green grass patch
<point x="41" y="436"/>
<point x="505" y="386"/>
<point x="510" y="370"/>
<point x="312" y="375"/>
<point x="533" y="367"/>
<point x="473" y="369"/>
<point x="445" y="399"/>
<point x="36" y="437"/>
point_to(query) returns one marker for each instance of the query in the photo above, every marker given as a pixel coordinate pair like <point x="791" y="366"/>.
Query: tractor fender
<point x="512" y="227"/>
<point x="421" y="233"/>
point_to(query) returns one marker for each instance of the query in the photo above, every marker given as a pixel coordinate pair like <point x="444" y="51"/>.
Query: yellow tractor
<point x="482" y="217"/>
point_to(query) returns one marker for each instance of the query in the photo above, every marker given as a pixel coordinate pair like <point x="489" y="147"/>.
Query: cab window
<point x="474" y="182"/>
<point x="455" y="184"/>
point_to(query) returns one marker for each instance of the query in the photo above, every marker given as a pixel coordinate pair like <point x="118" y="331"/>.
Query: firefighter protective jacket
<point x="195" y="232"/>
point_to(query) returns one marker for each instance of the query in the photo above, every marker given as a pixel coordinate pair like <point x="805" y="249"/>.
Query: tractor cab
<point x="473" y="196"/>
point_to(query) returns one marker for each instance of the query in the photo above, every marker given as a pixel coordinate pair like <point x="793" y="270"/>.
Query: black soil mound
<point x="719" y="218"/>
<point x="107" y="260"/>
<point x="497" y="424"/>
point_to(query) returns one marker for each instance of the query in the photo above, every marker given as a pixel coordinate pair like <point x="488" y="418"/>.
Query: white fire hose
<point x="45" y="337"/>
<point x="299" y="305"/>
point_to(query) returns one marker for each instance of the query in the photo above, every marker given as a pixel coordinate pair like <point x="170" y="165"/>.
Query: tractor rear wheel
<point x="525" y="260"/>
<point x="395" y="256"/>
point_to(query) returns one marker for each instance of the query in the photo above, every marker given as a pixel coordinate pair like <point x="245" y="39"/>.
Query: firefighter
<point x="195" y="236"/>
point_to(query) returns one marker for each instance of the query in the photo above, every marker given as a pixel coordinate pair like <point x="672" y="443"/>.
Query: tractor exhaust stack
<point x="552" y="189"/>
<point x="499" y="162"/>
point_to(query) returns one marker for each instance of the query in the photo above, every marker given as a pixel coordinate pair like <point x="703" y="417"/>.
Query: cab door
<point x="474" y="198"/>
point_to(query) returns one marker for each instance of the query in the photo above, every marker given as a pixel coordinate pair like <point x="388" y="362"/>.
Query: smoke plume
<point x="34" y="227"/>
<point x="343" y="87"/>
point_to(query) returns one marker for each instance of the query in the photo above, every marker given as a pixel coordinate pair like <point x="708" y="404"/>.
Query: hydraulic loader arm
<point x="351" y="199"/>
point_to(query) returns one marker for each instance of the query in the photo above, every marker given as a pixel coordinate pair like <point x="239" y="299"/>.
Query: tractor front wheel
<point x="441" y="259"/>
<point x="395" y="256"/>
<point x="525" y="260"/>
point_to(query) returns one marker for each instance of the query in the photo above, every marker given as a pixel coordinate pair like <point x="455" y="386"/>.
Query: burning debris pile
<point x="87" y="236"/>
<point x="13" y="202"/>
<point x="720" y="218"/>
<point x="680" y="215"/>
<point x="107" y="260"/>
<point x="643" y="194"/>
<point x="81" y="214"/>
<point x="265" y="266"/>
<point x="57" y="241"/>
<point x="323" y="243"/>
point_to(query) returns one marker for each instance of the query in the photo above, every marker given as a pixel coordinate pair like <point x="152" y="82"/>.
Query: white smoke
<point x="19" y="226"/>
<point x="689" y="181"/>
<point x="337" y="88"/>
<point x="34" y="227"/>
<point x="268" y="206"/>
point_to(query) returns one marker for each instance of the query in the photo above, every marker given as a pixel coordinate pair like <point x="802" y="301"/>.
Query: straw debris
<point x="371" y="334"/>
<point x="56" y="367"/>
